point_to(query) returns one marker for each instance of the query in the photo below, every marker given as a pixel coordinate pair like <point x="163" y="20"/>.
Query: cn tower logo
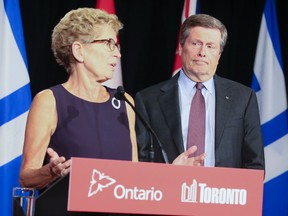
<point x="189" y="192"/>
<point x="203" y="193"/>
<point x="98" y="182"/>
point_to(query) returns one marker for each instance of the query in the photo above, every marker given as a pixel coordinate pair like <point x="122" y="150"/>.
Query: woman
<point x="80" y="117"/>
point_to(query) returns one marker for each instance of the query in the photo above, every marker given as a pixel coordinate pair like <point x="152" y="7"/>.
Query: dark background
<point x="149" y="38"/>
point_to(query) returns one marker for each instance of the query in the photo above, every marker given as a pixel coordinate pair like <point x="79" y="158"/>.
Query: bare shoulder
<point x="44" y="98"/>
<point x="43" y="104"/>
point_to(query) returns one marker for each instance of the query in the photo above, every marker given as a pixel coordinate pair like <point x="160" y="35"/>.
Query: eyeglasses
<point x="109" y="42"/>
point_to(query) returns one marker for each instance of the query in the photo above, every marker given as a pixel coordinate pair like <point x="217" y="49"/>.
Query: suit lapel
<point x="223" y="104"/>
<point x="169" y="104"/>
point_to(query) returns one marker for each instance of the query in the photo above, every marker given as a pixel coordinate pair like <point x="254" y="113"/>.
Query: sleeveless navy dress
<point x="91" y="130"/>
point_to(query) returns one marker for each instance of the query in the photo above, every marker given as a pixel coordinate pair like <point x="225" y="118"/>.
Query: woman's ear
<point x="77" y="49"/>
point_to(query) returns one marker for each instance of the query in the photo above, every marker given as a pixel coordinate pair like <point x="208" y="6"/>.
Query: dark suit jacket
<point x="238" y="138"/>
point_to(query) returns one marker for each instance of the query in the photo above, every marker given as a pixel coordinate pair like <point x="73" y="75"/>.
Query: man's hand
<point x="184" y="159"/>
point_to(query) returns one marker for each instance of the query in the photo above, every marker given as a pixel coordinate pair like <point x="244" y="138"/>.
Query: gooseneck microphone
<point x="120" y="95"/>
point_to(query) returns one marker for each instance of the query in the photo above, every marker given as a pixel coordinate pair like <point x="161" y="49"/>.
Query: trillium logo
<point x="98" y="182"/>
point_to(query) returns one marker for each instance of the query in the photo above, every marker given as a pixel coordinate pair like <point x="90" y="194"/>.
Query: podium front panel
<point x="98" y="185"/>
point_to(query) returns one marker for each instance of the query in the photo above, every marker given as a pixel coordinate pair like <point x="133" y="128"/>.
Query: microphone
<point x="120" y="95"/>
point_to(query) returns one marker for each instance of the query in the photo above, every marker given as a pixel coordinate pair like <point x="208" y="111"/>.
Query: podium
<point x="98" y="185"/>
<point x="53" y="201"/>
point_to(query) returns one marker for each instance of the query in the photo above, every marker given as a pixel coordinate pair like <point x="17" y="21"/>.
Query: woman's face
<point x="99" y="57"/>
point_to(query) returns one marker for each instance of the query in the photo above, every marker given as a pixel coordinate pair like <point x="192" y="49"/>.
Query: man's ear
<point x="179" y="49"/>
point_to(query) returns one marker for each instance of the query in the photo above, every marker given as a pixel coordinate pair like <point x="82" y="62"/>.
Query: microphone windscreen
<point x="119" y="95"/>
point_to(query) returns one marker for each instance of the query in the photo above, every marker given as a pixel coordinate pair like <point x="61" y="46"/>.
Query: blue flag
<point x="15" y="100"/>
<point x="269" y="84"/>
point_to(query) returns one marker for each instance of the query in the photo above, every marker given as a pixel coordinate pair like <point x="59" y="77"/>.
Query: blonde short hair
<point x="81" y="25"/>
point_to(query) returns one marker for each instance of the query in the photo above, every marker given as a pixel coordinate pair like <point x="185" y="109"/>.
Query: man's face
<point x="200" y="53"/>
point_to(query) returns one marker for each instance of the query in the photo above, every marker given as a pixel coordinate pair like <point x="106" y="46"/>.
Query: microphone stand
<point x="146" y="125"/>
<point x="120" y="95"/>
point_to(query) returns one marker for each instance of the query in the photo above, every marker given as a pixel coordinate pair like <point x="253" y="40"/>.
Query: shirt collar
<point x="186" y="83"/>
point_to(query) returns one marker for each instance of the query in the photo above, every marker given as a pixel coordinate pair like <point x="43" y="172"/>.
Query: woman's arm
<point x="41" y="124"/>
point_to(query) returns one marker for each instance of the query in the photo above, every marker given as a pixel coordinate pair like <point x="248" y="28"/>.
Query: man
<point x="232" y="134"/>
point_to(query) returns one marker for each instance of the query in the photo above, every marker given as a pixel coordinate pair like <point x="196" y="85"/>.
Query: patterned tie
<point x="196" y="129"/>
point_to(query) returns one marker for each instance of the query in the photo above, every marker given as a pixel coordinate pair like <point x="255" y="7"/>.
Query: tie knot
<point x="199" y="86"/>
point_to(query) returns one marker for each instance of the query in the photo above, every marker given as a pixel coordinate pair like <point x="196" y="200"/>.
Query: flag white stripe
<point x="191" y="9"/>
<point x="13" y="69"/>
<point x="276" y="158"/>
<point x="12" y="136"/>
<point x="268" y="72"/>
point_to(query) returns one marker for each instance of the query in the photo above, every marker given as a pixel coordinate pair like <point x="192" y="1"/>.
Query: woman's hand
<point x="58" y="165"/>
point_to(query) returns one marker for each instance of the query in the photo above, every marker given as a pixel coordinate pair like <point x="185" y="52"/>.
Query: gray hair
<point x="206" y="21"/>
